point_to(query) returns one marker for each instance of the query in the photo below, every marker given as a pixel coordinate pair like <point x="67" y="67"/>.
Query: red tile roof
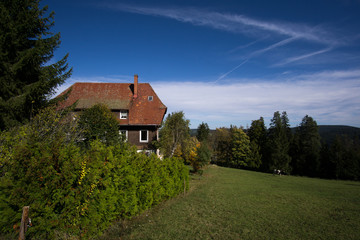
<point x="119" y="96"/>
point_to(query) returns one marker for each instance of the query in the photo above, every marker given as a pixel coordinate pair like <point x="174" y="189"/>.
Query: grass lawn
<point x="236" y="204"/>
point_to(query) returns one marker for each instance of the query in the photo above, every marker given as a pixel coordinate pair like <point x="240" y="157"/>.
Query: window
<point x="144" y="136"/>
<point x="123" y="114"/>
<point x="124" y="135"/>
<point x="150" y="98"/>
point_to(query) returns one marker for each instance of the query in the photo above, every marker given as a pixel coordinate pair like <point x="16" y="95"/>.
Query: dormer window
<point x="123" y="114"/>
<point x="150" y="98"/>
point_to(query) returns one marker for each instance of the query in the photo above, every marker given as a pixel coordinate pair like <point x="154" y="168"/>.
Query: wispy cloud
<point x="246" y="45"/>
<point x="257" y="53"/>
<point x="273" y="46"/>
<point x="224" y="75"/>
<point x="233" y="22"/>
<point x="301" y="57"/>
<point x="244" y="25"/>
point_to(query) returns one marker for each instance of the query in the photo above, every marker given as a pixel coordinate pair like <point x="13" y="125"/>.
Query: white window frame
<point x="150" y="98"/>
<point x="126" y="134"/>
<point x="123" y="114"/>
<point x="147" y="136"/>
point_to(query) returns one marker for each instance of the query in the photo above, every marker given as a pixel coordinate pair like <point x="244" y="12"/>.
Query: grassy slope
<point x="236" y="204"/>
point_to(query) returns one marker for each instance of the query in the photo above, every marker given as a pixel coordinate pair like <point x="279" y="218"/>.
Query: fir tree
<point x="306" y="148"/>
<point x="257" y="134"/>
<point x="203" y="132"/>
<point x="279" y="142"/>
<point x="27" y="77"/>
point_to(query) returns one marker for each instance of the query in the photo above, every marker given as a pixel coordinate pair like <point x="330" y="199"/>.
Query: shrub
<point x="98" y="122"/>
<point x="73" y="191"/>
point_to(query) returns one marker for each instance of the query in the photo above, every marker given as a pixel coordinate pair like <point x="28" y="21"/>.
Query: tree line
<point x="299" y="152"/>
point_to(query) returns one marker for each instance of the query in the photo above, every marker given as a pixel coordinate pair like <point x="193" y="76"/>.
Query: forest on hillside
<point x="307" y="150"/>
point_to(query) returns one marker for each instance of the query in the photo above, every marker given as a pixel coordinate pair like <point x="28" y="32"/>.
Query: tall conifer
<point x="27" y="76"/>
<point x="306" y="148"/>
<point x="279" y="142"/>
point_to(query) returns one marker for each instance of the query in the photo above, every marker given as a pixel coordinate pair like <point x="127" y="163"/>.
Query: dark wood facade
<point x="135" y="134"/>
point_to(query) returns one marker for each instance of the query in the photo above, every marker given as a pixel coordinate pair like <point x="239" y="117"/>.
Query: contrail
<point x="294" y="59"/>
<point x="224" y="75"/>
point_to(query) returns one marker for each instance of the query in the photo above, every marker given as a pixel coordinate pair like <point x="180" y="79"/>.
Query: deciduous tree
<point x="240" y="148"/>
<point x="174" y="132"/>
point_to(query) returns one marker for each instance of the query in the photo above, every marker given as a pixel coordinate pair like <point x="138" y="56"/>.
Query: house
<point x="136" y="106"/>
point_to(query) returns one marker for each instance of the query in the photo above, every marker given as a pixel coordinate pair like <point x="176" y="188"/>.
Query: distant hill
<point x="327" y="132"/>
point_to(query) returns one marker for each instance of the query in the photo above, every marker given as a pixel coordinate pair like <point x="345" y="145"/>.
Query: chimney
<point x="135" y="86"/>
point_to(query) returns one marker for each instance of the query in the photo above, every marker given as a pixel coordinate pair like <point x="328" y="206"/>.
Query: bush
<point x="98" y="122"/>
<point x="73" y="191"/>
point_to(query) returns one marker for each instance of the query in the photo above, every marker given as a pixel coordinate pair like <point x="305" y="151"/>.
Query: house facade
<point x="136" y="106"/>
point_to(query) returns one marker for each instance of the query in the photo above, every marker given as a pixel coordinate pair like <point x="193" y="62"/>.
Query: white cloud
<point x="329" y="97"/>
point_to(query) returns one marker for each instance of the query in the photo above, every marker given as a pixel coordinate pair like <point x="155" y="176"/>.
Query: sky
<point x="222" y="62"/>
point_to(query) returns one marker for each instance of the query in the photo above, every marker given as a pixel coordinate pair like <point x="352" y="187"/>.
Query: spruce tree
<point x="203" y="132"/>
<point x="257" y="134"/>
<point x="279" y="142"/>
<point x="306" y="148"/>
<point x="27" y="76"/>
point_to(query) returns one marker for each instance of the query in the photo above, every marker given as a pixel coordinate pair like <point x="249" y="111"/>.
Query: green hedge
<point x="75" y="192"/>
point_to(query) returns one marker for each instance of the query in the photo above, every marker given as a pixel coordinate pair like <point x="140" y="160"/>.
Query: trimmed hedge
<point x="74" y="192"/>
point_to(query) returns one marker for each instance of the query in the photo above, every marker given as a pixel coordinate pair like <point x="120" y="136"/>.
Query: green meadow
<point x="227" y="203"/>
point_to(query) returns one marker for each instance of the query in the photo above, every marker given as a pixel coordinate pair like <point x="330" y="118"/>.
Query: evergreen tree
<point x="203" y="132"/>
<point x="27" y="78"/>
<point x="327" y="167"/>
<point x="345" y="156"/>
<point x="222" y="146"/>
<point x="279" y="142"/>
<point x="255" y="157"/>
<point x="306" y="148"/>
<point x="257" y="134"/>
<point x="203" y="156"/>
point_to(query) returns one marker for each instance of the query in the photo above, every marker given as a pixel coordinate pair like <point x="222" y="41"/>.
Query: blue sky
<point x="222" y="62"/>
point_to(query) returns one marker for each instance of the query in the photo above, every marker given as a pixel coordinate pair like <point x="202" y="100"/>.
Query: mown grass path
<point x="236" y="204"/>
